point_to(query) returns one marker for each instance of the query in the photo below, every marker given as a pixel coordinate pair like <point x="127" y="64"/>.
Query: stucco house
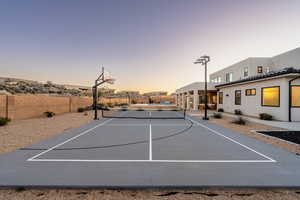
<point x="261" y="85"/>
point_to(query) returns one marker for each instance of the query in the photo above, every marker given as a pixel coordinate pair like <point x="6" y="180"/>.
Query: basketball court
<point x="150" y="149"/>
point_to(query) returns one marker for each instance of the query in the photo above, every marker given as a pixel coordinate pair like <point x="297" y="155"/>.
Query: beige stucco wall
<point x="29" y="106"/>
<point x="2" y="106"/>
<point x="251" y="105"/>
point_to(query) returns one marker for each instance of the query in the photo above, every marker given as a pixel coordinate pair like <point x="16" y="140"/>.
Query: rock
<point x="4" y="92"/>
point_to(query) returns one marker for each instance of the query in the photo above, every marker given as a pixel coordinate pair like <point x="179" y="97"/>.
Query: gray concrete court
<point x="126" y="153"/>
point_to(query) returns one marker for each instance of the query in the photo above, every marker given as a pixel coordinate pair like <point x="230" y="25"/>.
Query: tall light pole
<point x="204" y="60"/>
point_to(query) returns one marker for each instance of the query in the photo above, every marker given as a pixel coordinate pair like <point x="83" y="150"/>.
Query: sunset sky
<point x="146" y="44"/>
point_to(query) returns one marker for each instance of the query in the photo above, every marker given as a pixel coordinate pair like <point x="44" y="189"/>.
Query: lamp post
<point x="204" y="60"/>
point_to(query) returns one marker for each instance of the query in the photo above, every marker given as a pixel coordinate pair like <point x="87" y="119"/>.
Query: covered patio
<point x="191" y="97"/>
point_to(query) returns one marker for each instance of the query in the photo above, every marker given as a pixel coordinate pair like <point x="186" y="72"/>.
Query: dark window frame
<point x="235" y="97"/>
<point x="250" y="92"/>
<point x="261" y="95"/>
<point x="292" y="96"/>
<point x="227" y="78"/>
<point x="246" y="73"/>
<point x="259" y="69"/>
<point x="220" y="98"/>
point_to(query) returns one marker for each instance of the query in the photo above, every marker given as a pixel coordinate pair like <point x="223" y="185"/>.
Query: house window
<point x="238" y="97"/>
<point x="250" y="92"/>
<point x="219" y="79"/>
<point x="216" y="80"/>
<point x="270" y="96"/>
<point x="201" y="99"/>
<point x="259" y="69"/>
<point x="296" y="96"/>
<point x="220" y="97"/>
<point x="229" y="77"/>
<point x="246" y="72"/>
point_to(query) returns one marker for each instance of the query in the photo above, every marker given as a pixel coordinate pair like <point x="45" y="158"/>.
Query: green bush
<point x="140" y="109"/>
<point x="49" y="114"/>
<point x="217" y="115"/>
<point x="237" y="112"/>
<point x="81" y="110"/>
<point x="220" y="110"/>
<point x="239" y="121"/>
<point x="109" y="104"/>
<point x="101" y="105"/>
<point x="159" y="110"/>
<point x="265" y="116"/>
<point x="4" y="121"/>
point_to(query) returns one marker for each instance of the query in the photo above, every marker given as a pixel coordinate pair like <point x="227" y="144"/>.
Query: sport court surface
<point x="150" y="153"/>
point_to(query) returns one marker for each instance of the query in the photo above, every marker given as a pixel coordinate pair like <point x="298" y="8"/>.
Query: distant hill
<point x="22" y="86"/>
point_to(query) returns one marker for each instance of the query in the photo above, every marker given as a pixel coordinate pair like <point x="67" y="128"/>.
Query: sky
<point x="147" y="45"/>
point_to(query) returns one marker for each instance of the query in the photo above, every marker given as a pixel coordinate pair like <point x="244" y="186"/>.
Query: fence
<point x="29" y="106"/>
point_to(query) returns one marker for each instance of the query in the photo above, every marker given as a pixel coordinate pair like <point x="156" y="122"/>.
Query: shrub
<point x="101" y="105"/>
<point x="4" y="121"/>
<point x="265" y="116"/>
<point x="217" y="115"/>
<point x="80" y="110"/>
<point x="220" y="110"/>
<point x="109" y="104"/>
<point x="237" y="112"/>
<point x="159" y="110"/>
<point x="239" y="121"/>
<point x="49" y="114"/>
<point x="140" y="109"/>
<point x="124" y="109"/>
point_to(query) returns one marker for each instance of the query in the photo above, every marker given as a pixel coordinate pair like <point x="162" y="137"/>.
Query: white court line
<point x="73" y="138"/>
<point x="234" y="141"/>
<point x="150" y="142"/>
<point x="146" y="125"/>
<point x="270" y="160"/>
<point x="154" y="161"/>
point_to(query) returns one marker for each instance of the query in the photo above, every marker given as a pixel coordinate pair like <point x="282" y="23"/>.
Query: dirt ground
<point x="22" y="133"/>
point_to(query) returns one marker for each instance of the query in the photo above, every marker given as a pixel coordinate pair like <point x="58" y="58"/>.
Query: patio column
<point x="188" y="106"/>
<point x="182" y="101"/>
<point x="196" y="100"/>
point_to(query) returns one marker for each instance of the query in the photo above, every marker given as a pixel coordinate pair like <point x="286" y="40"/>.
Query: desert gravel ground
<point x="22" y="133"/>
<point x="203" y="194"/>
<point x="250" y="126"/>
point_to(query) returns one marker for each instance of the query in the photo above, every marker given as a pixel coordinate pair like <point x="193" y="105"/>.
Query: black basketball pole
<point x="95" y="93"/>
<point x="204" y="60"/>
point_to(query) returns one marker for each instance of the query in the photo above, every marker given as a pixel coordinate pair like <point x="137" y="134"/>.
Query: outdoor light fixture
<point x="204" y="60"/>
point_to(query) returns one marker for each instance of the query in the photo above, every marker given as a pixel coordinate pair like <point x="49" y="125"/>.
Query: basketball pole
<point x="95" y="91"/>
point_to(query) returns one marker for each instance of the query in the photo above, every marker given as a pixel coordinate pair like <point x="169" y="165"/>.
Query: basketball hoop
<point x="110" y="80"/>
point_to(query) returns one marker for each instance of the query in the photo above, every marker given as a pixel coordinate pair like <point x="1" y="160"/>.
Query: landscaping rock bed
<point x="291" y="136"/>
